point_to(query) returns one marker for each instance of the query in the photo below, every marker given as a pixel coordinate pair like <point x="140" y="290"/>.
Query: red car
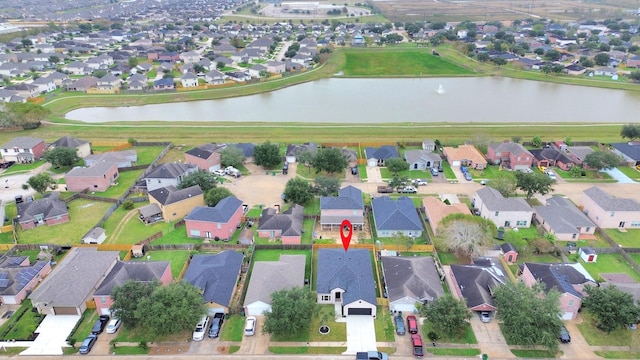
<point x="416" y="343"/>
<point x="412" y="323"/>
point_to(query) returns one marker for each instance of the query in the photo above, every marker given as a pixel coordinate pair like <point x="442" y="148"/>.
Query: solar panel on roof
<point x="16" y="260"/>
<point x="4" y="275"/>
<point x="4" y="283"/>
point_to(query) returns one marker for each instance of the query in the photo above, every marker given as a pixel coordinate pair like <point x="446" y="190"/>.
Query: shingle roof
<point x="561" y="277"/>
<point x="610" y="203"/>
<point x="268" y="277"/>
<point x="400" y="214"/>
<point x="413" y="156"/>
<point x="562" y="216"/>
<point x="97" y="170"/>
<point x="348" y="197"/>
<point x="477" y="281"/>
<point x="349" y="270"/>
<point x="75" y="277"/>
<point x="381" y="153"/>
<point x="221" y="213"/>
<point x="215" y="275"/>
<point x="204" y="151"/>
<point x="169" y="171"/>
<point x="123" y="271"/>
<point x="510" y="147"/>
<point x="22" y="142"/>
<point x="289" y="222"/>
<point x="415" y="277"/>
<point x="68" y="141"/>
<point x="170" y="194"/>
<point x="631" y="150"/>
<point x="293" y="149"/>
<point x="14" y="278"/>
<point x="494" y="201"/>
<point x="550" y="154"/>
<point x="49" y="207"/>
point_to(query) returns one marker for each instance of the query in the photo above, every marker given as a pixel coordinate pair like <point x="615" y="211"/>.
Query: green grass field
<point x="629" y="238"/>
<point x="597" y="337"/>
<point x="610" y="263"/>
<point x="401" y="61"/>
<point x="233" y="328"/>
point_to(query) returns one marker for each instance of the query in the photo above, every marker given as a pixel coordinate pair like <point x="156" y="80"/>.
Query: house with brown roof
<point x="509" y="155"/>
<point x="176" y="204"/>
<point x="436" y="210"/>
<point x="286" y="226"/>
<point x="465" y="155"/>
<point x="94" y="178"/>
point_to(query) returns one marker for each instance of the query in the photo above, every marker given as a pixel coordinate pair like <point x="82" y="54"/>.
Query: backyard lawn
<point x="124" y="182"/>
<point x="628" y="238"/>
<point x="274" y="255"/>
<point x="610" y="263"/>
<point x="124" y="227"/>
<point x="178" y="236"/>
<point x="177" y="258"/>
<point x="83" y="216"/>
<point x="596" y="337"/>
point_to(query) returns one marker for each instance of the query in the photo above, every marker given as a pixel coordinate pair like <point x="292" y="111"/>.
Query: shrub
<point x="127" y="205"/>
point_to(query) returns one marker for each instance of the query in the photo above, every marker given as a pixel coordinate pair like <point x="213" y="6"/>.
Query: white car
<point x="250" y="326"/>
<point x="113" y="326"/>
<point x="550" y="174"/>
<point x="420" y="182"/>
<point x="201" y="328"/>
<point x="219" y="172"/>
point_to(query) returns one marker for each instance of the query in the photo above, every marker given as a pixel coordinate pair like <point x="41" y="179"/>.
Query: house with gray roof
<point x="168" y="174"/>
<point x="206" y="156"/>
<point x="564" y="220"/>
<point x="422" y="159"/>
<point x="507" y="212"/>
<point x="294" y="149"/>
<point x="176" y="203"/>
<point x="410" y="280"/>
<point x="629" y="151"/>
<point x="267" y="277"/>
<point x="18" y="277"/>
<point x="83" y="147"/>
<point x="475" y="282"/>
<point x="346" y="278"/>
<point x="568" y="279"/>
<point x="23" y="149"/>
<point x="398" y="216"/>
<point x="218" y="222"/>
<point x="93" y="178"/>
<point x="377" y="156"/>
<point x="286" y="226"/>
<point x="216" y="276"/>
<point x="609" y="212"/>
<point x="123" y="159"/>
<point x="125" y="271"/>
<point x="48" y="211"/>
<point x="348" y="205"/>
<point x="73" y="281"/>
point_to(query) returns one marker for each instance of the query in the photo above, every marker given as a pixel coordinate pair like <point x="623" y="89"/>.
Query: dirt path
<point x="123" y="223"/>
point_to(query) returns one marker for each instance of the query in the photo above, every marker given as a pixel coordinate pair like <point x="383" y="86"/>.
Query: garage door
<point x="106" y="311"/>
<point x="213" y="311"/>
<point x="58" y="310"/>
<point x="359" y="311"/>
<point x="456" y="163"/>
<point x="567" y="315"/>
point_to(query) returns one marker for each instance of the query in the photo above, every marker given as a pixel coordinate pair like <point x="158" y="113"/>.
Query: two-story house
<point x="23" y="149"/>
<point x="609" y="212"/>
<point x="506" y="212"/>
<point x="206" y="157"/>
<point x="509" y="155"/>
<point x="168" y="174"/>
<point x="176" y="203"/>
<point x="218" y="222"/>
<point x="348" y="205"/>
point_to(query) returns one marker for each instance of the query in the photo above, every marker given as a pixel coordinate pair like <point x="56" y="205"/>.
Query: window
<point x="519" y="158"/>
<point x="521" y="223"/>
<point x="95" y="186"/>
<point x="38" y="218"/>
<point x="497" y="213"/>
<point x="194" y="232"/>
<point x="219" y="225"/>
<point x="589" y="229"/>
<point x="570" y="302"/>
<point x="207" y="234"/>
<point x="103" y="299"/>
<point x="326" y="297"/>
<point x="498" y="153"/>
<point x="633" y="224"/>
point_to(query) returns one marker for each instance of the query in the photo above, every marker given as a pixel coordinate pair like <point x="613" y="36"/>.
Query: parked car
<point x="434" y="172"/>
<point x="100" y="324"/>
<point x="564" y="335"/>
<point x="416" y="343"/>
<point x="419" y="182"/>
<point x="550" y="174"/>
<point x="408" y="190"/>
<point x="485" y="316"/>
<point x="113" y="326"/>
<point x="412" y="324"/>
<point x="400" y="329"/>
<point x="6" y="165"/>
<point x="19" y="199"/>
<point x="219" y="172"/>
<point x="440" y="168"/>
<point x="354" y="170"/>
<point x="87" y="344"/>
<point x="250" y="326"/>
<point x="216" y="325"/>
<point x="467" y="176"/>
<point x="201" y="327"/>
<point x="371" y="355"/>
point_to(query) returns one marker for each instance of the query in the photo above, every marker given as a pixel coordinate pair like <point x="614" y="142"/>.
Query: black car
<point x="564" y="335"/>
<point x="87" y="344"/>
<point x="354" y="170"/>
<point x="216" y="325"/>
<point x="100" y="324"/>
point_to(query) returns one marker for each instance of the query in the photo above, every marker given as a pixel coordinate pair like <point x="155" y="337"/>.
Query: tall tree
<point x="27" y="115"/>
<point x="291" y="311"/>
<point x="232" y="156"/>
<point x="213" y="196"/>
<point x="298" y="191"/>
<point x="601" y="59"/>
<point x="41" y="182"/>
<point x="205" y="179"/>
<point x="126" y="300"/>
<point x="465" y="234"/>
<point x="534" y="183"/>
<point x="536" y="141"/>
<point x="327" y="186"/>
<point x="267" y="155"/>
<point x="630" y="131"/>
<point x="602" y="160"/>
<point x="505" y="182"/>
<point x="448" y="315"/>
<point x="612" y="308"/>
<point x="331" y="160"/>
<point x="396" y="165"/>
<point x="535" y="320"/>
<point x="306" y="158"/>
<point x="61" y="156"/>
<point x="398" y="181"/>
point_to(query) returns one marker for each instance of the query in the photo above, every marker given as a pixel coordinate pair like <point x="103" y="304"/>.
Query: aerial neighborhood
<point x="235" y="240"/>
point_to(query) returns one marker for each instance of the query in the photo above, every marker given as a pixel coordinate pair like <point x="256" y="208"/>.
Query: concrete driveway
<point x="619" y="176"/>
<point x="256" y="344"/>
<point x="490" y="338"/>
<point x="53" y="332"/>
<point x="361" y="334"/>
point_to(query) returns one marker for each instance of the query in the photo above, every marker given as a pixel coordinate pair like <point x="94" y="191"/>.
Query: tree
<point x="612" y="308"/>
<point x="448" y="315"/>
<point x="331" y="160"/>
<point x="41" y="182"/>
<point x="634" y="75"/>
<point x="534" y="183"/>
<point x="536" y="141"/>
<point x="602" y="160"/>
<point x="127" y="297"/>
<point x="464" y="233"/>
<point x="54" y="59"/>
<point x="499" y="61"/>
<point x="482" y="57"/>
<point x="213" y="196"/>
<point x="291" y="312"/>
<point x="133" y="62"/>
<point x="538" y="51"/>
<point x="398" y="181"/>
<point x="232" y="156"/>
<point x="61" y="156"/>
<point x="505" y="182"/>
<point x="306" y="158"/>
<point x="601" y="59"/>
<point x="27" y="115"/>
<point x="535" y="320"/>
<point x="171" y="309"/>
<point x="298" y="191"/>
<point x="327" y="186"/>
<point x="199" y="69"/>
<point x="204" y="179"/>
<point x="396" y="165"/>
<point x="630" y="131"/>
<point x="267" y="155"/>
<point x="552" y="55"/>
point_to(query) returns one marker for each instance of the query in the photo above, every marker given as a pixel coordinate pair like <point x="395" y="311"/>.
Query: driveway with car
<point x="490" y="338"/>
<point x="361" y="334"/>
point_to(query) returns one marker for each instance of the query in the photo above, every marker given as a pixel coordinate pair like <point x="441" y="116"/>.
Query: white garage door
<point x="257" y="310"/>
<point x="213" y="311"/>
<point x="456" y="163"/>
<point x="404" y="308"/>
<point x="106" y="312"/>
<point x="372" y="163"/>
<point x="567" y="315"/>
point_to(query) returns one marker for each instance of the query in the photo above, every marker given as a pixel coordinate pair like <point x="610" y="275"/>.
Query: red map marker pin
<point x="346" y="239"/>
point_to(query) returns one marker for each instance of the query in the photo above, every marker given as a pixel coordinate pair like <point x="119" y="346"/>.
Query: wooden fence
<point x="150" y="238"/>
<point x="6" y="228"/>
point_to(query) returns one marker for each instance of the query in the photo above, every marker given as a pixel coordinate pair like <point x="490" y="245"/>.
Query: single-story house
<point x="123" y="159"/>
<point x="509" y="155"/>
<point x="465" y="155"/>
<point x="377" y="156"/>
<point x="164" y="84"/>
<point x="286" y="226"/>
<point x="168" y="174"/>
<point x="83" y="147"/>
<point x="216" y="276"/>
<point x="475" y="282"/>
<point x="49" y="210"/>
<point x="73" y="281"/>
<point x="23" y="149"/>
<point x="94" y="178"/>
<point x="346" y="278"/>
<point x="508" y="212"/>
<point x="436" y="210"/>
<point x="218" y="222"/>
<point x="609" y="212"/>
<point x="293" y="150"/>
<point x="348" y="205"/>
<point x="551" y="156"/>
<point x="18" y="277"/>
<point x="422" y="159"/>
<point x="563" y="219"/>
<point x="176" y="203"/>
<point x="411" y="280"/>
<point x="629" y="151"/>
<point x="268" y="277"/>
<point x="206" y="157"/>
<point x="398" y="216"/>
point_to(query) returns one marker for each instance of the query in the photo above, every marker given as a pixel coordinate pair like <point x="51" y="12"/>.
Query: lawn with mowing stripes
<point x="398" y="62"/>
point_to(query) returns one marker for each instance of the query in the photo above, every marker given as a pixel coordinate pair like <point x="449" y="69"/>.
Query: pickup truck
<point x="385" y="189"/>
<point x="371" y="355"/>
<point x="408" y="190"/>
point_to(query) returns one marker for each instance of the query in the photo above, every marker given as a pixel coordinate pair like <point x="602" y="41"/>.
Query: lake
<point x="420" y="100"/>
